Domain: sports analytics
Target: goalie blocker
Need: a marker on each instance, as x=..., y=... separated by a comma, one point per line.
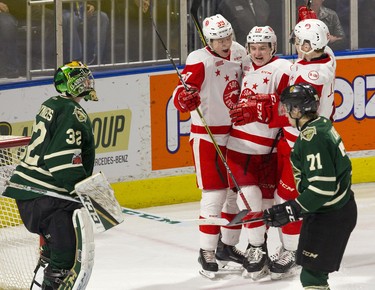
x=97, y=196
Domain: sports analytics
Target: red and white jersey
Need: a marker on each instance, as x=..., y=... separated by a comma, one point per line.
x=218, y=81
x=257, y=138
x=320, y=73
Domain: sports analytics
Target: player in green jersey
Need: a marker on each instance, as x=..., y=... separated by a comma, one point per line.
x=322, y=172
x=60, y=154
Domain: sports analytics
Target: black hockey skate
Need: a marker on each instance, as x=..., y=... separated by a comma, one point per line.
x=285, y=266
x=256, y=262
x=209, y=265
x=226, y=254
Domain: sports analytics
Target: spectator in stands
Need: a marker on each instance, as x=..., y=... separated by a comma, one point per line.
x=8, y=43
x=366, y=20
x=95, y=46
x=244, y=15
x=17, y=8
x=366, y=23
x=331, y=19
x=11, y=23
x=133, y=41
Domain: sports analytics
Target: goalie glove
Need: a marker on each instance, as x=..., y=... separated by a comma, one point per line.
x=282, y=214
x=306, y=13
x=188, y=100
x=257, y=108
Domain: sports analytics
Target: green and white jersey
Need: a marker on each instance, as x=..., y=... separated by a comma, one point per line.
x=322, y=169
x=61, y=151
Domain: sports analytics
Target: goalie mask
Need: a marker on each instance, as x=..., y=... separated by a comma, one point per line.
x=216, y=27
x=262, y=34
x=300, y=97
x=314, y=31
x=75, y=79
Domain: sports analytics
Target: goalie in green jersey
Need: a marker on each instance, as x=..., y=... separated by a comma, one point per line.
x=60, y=154
x=322, y=172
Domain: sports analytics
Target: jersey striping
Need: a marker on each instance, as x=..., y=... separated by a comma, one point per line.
x=320, y=154
x=258, y=138
x=61, y=151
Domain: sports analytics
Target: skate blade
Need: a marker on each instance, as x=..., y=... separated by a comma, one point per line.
x=228, y=269
x=222, y=272
x=256, y=276
x=229, y=266
x=207, y=274
x=292, y=272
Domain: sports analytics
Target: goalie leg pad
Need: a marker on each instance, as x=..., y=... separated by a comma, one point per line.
x=78, y=277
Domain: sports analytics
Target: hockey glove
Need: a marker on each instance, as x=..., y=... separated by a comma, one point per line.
x=282, y=214
x=189, y=100
x=257, y=108
x=305, y=13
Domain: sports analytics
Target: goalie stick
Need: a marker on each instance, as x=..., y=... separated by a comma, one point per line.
x=103, y=220
x=95, y=194
x=109, y=222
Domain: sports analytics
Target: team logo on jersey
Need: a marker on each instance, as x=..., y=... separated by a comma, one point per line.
x=313, y=75
x=246, y=93
x=80, y=114
x=308, y=133
x=77, y=159
x=231, y=93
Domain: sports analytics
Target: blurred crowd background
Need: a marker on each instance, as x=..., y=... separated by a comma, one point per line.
x=117, y=34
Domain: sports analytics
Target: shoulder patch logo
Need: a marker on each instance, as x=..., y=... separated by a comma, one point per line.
x=80, y=114
x=308, y=133
x=77, y=159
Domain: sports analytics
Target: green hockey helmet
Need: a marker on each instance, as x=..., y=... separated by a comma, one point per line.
x=302, y=97
x=75, y=79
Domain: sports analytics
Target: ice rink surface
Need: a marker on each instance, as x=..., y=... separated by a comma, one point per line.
x=143, y=254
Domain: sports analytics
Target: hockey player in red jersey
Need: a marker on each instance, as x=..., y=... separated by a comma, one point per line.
x=213, y=76
x=252, y=147
x=316, y=65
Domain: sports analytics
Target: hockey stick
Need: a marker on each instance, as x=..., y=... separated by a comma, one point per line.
x=162, y=219
x=110, y=222
x=308, y=4
x=244, y=217
x=292, y=36
x=102, y=208
x=194, y=14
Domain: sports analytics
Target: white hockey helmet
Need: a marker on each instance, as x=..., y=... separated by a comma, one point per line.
x=265, y=34
x=216, y=27
x=313, y=30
